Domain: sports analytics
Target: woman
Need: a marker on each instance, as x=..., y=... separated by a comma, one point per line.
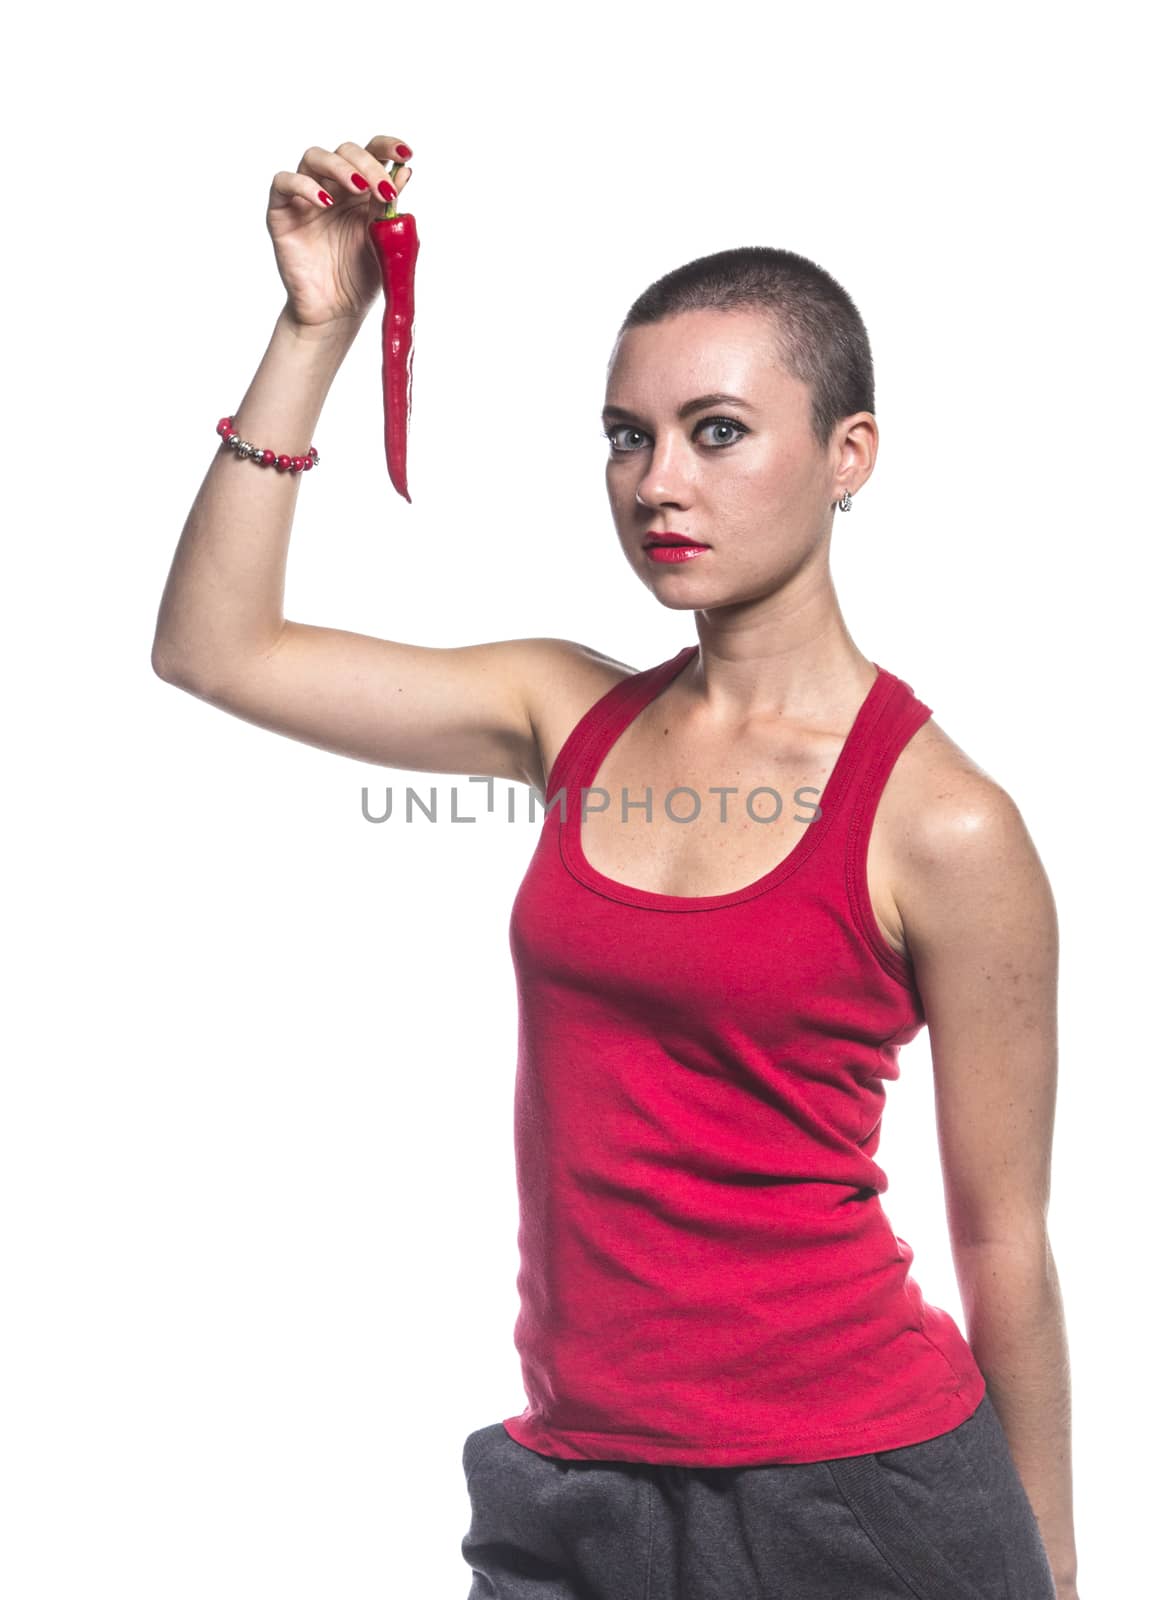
x=735, y=1387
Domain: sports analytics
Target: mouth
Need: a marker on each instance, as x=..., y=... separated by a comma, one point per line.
x=671, y=541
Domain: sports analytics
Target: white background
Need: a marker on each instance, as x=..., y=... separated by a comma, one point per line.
x=257, y=1184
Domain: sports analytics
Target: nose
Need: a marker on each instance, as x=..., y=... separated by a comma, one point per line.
x=665, y=480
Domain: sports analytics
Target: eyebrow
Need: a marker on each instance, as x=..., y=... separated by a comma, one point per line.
x=699, y=404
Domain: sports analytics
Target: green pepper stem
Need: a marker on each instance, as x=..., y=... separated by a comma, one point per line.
x=390, y=208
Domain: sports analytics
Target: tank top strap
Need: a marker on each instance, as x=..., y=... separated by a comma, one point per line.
x=899, y=715
x=605, y=719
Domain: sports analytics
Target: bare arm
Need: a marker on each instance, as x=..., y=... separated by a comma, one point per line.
x=221, y=633
x=420, y=707
x=222, y=603
x=981, y=926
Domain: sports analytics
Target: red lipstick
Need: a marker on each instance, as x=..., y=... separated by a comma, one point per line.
x=671, y=547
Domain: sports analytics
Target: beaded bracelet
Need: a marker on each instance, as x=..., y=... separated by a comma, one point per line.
x=267, y=458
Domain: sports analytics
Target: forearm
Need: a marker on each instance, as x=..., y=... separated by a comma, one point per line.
x=1016, y=1328
x=225, y=592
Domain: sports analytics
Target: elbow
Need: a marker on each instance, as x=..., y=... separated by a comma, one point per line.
x=172, y=670
x=162, y=665
x=159, y=664
x=1026, y=1260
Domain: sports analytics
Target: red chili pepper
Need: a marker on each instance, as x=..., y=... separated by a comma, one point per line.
x=396, y=245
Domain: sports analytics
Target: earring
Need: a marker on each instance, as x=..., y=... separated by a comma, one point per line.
x=845, y=502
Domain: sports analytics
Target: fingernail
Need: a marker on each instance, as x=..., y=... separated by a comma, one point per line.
x=403, y=151
x=360, y=183
x=325, y=198
x=386, y=189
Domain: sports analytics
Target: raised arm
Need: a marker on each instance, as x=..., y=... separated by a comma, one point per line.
x=222, y=633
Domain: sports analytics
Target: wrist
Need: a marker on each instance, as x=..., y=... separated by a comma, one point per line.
x=340, y=331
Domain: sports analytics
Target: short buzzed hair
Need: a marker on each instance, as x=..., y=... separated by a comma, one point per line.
x=822, y=338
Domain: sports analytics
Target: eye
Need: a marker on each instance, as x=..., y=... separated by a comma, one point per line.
x=734, y=430
x=621, y=428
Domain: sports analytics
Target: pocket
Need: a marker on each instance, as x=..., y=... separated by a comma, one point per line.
x=1003, y=1506
x=917, y=1505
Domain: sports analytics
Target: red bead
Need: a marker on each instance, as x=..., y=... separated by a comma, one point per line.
x=226, y=428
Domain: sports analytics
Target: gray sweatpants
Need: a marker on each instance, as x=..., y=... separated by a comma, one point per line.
x=946, y=1519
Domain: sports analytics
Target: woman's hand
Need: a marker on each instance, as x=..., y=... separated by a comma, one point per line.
x=324, y=254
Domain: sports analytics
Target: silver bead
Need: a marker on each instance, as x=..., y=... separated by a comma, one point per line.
x=231, y=440
x=243, y=448
x=256, y=451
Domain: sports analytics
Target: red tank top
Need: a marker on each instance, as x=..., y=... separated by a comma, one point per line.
x=707, y=1275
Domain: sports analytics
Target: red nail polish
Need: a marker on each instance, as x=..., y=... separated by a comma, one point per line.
x=385, y=189
x=325, y=198
x=360, y=183
x=403, y=151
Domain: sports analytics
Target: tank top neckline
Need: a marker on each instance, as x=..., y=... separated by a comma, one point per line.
x=644, y=688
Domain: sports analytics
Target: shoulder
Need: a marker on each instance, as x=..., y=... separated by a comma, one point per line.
x=554, y=671
x=559, y=680
x=956, y=843
x=572, y=661
x=940, y=803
